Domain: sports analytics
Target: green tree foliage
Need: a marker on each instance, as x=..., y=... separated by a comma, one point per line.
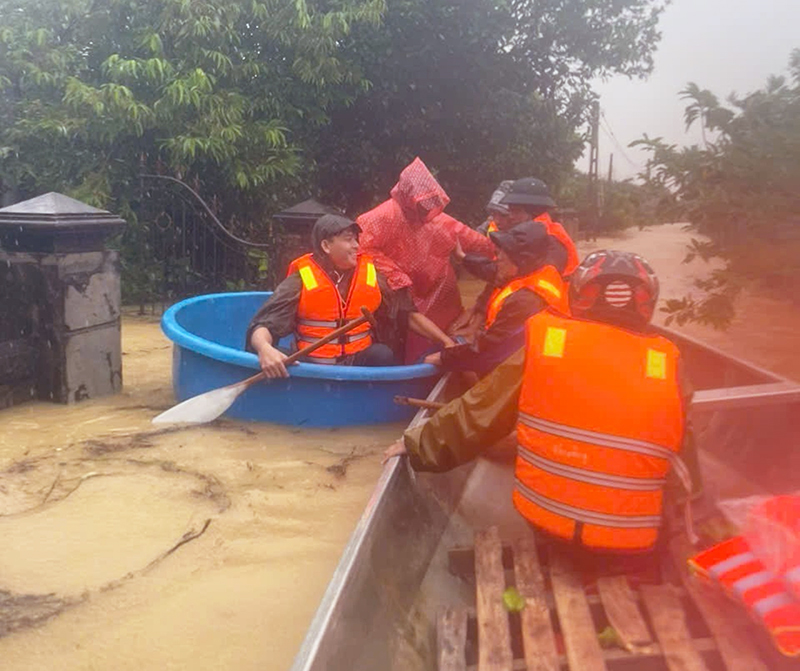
x=623, y=204
x=739, y=189
x=95, y=92
x=260, y=103
x=98, y=90
x=482, y=91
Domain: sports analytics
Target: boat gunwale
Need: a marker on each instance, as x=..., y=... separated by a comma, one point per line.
x=743, y=364
x=307, y=655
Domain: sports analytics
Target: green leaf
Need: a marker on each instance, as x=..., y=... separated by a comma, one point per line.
x=609, y=638
x=513, y=601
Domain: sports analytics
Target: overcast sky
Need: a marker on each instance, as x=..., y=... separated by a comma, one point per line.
x=722, y=45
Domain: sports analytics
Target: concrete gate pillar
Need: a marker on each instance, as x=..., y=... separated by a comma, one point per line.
x=59, y=301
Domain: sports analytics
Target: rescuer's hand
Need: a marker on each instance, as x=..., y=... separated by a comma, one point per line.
x=435, y=359
x=460, y=322
x=395, y=450
x=271, y=361
x=458, y=251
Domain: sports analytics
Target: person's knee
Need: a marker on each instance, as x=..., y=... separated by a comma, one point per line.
x=375, y=355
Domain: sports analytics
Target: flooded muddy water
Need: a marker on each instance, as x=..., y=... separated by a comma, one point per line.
x=126, y=547
x=764, y=331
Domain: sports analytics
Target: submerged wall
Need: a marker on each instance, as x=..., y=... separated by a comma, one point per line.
x=60, y=302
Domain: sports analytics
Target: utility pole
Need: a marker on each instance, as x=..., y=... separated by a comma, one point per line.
x=594, y=194
x=610, y=168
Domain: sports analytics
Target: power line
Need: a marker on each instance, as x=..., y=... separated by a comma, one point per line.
x=618, y=147
x=610, y=133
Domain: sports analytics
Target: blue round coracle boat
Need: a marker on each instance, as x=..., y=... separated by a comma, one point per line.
x=208, y=352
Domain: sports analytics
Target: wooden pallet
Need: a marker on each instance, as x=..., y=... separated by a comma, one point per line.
x=661, y=626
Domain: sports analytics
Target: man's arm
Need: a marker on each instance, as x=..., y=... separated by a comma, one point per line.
x=505, y=336
x=398, y=307
x=274, y=320
x=471, y=241
x=270, y=358
x=465, y=427
x=279, y=313
x=423, y=326
x=479, y=265
x=557, y=255
x=510, y=320
x=470, y=322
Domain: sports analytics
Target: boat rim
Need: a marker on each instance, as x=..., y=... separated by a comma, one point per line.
x=195, y=343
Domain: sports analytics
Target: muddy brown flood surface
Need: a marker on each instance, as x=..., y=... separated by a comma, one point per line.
x=127, y=547
x=765, y=331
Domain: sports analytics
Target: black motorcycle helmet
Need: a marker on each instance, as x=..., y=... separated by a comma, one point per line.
x=616, y=287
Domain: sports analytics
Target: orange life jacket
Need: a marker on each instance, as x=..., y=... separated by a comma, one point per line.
x=559, y=233
x=545, y=282
x=600, y=421
x=322, y=310
x=732, y=565
x=773, y=530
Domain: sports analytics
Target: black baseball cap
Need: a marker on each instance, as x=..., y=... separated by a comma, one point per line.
x=330, y=225
x=529, y=191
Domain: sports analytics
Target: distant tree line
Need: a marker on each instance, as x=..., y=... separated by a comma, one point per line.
x=260, y=103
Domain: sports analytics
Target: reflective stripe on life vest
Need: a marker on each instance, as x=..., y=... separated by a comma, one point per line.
x=792, y=579
x=317, y=322
x=595, y=437
x=773, y=531
x=582, y=475
x=732, y=565
x=588, y=516
x=346, y=338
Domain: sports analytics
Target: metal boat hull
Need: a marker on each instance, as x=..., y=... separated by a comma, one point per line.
x=379, y=609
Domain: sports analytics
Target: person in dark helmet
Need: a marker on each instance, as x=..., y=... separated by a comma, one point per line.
x=327, y=288
x=599, y=410
x=529, y=199
x=498, y=219
x=479, y=265
x=526, y=283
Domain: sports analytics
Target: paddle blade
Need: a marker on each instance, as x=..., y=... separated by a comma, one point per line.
x=203, y=408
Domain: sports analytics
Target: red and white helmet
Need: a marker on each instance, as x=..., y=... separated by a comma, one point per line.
x=613, y=286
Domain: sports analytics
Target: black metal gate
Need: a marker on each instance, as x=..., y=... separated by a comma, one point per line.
x=176, y=247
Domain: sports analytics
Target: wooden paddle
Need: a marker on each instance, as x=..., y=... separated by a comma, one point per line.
x=210, y=405
x=418, y=402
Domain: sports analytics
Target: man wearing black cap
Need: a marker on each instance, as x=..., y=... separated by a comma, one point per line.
x=324, y=290
x=529, y=199
x=526, y=283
